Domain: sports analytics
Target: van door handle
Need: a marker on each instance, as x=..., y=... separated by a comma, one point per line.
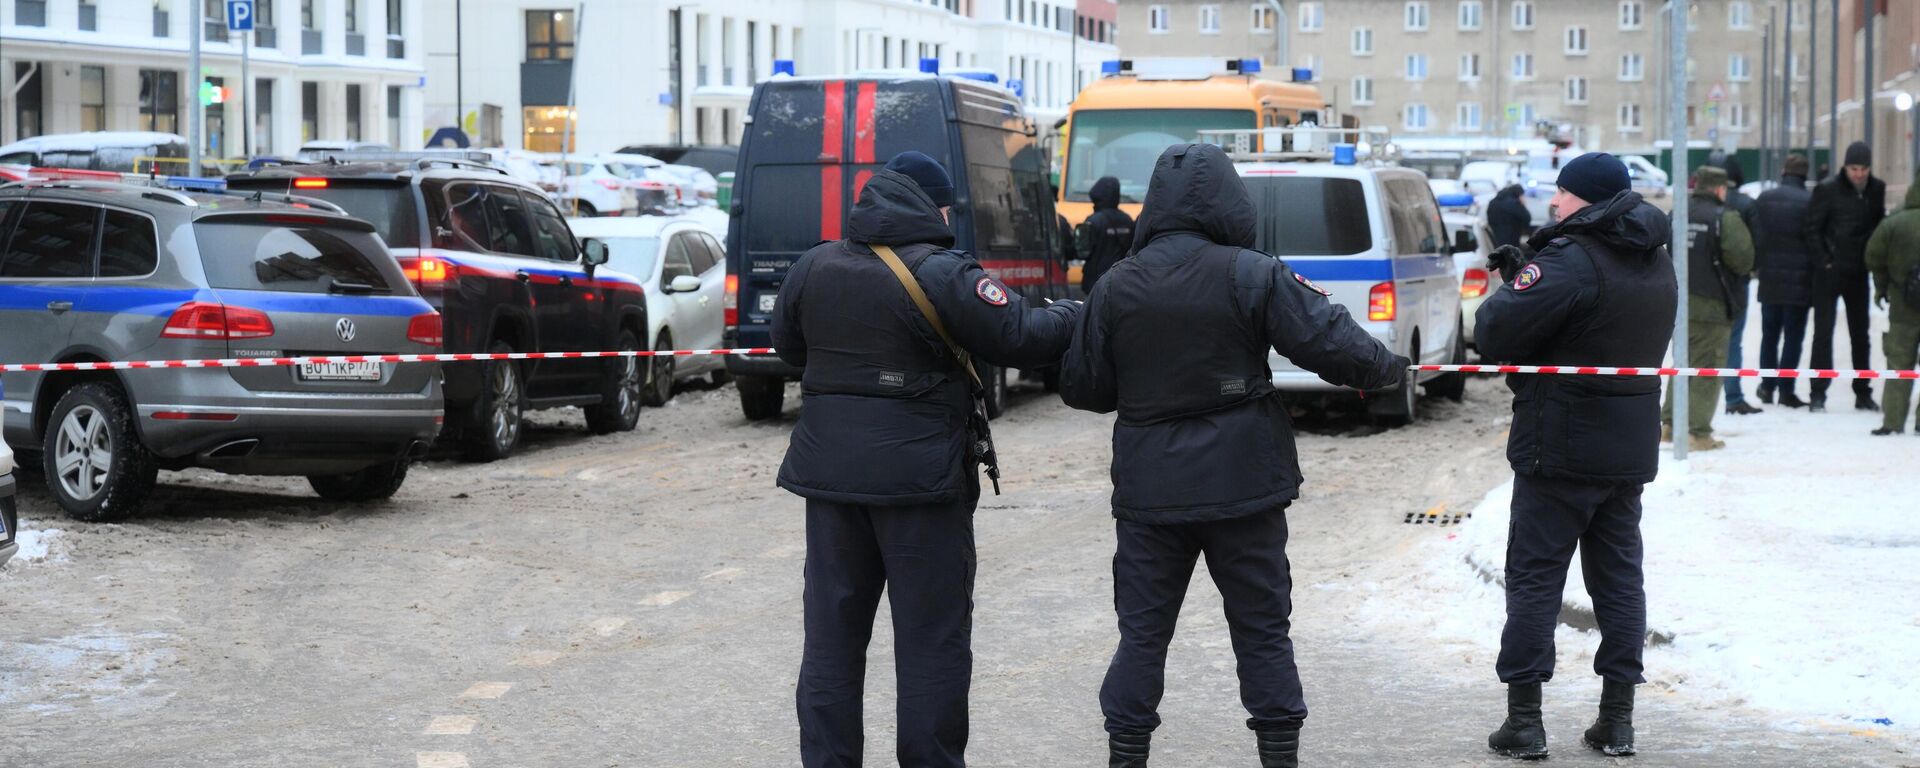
x=523, y=276
x=59, y=307
x=566, y=282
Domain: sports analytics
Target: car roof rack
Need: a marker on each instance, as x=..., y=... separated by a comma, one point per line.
x=1306, y=143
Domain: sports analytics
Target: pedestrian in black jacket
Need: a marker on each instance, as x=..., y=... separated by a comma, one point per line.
x=1175, y=338
x=1507, y=216
x=881, y=455
x=1601, y=292
x=1786, y=271
x=1842, y=216
x=1109, y=232
x=1742, y=285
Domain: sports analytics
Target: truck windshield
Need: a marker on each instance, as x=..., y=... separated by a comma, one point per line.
x=1124, y=143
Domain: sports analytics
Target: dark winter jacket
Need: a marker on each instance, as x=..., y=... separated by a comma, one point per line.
x=1175, y=339
x=1508, y=217
x=1893, y=255
x=1601, y=292
x=1780, y=243
x=1840, y=219
x=883, y=419
x=1108, y=232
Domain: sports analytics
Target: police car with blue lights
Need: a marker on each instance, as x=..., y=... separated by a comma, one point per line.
x=1369, y=234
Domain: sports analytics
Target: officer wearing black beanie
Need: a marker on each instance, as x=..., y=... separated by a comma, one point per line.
x=1845, y=210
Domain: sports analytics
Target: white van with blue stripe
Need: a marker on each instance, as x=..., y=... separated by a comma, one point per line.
x=1372, y=236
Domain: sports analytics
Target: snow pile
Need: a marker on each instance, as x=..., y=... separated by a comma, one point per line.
x=36, y=545
x=1785, y=568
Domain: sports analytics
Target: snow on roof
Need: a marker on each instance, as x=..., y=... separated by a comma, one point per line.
x=87, y=142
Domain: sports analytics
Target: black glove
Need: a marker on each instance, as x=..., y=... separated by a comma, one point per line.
x=1507, y=260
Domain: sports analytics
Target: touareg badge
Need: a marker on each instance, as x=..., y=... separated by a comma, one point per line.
x=1529, y=277
x=1310, y=285
x=990, y=292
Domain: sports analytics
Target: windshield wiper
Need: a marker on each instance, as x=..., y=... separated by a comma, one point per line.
x=340, y=286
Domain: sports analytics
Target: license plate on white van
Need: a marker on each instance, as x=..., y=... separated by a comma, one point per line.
x=341, y=371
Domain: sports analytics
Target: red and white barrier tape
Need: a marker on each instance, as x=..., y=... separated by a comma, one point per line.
x=274, y=362
x=1705, y=373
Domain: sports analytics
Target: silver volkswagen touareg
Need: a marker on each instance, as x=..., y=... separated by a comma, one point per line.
x=95, y=271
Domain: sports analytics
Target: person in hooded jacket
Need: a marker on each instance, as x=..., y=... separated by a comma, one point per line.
x=1842, y=216
x=1109, y=232
x=1507, y=216
x=1785, y=266
x=882, y=456
x=1893, y=257
x=1601, y=292
x=1175, y=338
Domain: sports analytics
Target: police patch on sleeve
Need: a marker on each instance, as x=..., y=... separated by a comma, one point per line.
x=990, y=292
x=1529, y=277
x=1302, y=279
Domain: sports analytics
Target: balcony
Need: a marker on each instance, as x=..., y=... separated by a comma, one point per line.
x=356, y=44
x=311, y=42
x=30, y=13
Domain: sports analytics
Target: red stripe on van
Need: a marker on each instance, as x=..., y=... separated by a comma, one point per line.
x=863, y=124
x=833, y=137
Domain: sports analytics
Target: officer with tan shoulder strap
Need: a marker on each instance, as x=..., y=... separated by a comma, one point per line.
x=887, y=452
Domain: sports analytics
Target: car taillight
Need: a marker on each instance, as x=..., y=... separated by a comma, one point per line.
x=425, y=271
x=309, y=183
x=1382, y=302
x=216, y=322
x=1473, y=284
x=730, y=304
x=608, y=183
x=425, y=329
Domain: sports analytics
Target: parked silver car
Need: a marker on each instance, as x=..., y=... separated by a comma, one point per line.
x=111, y=272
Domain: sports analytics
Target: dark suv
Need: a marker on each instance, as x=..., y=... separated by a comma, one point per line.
x=495, y=256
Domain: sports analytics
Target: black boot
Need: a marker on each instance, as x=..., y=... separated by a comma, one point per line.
x=1279, y=748
x=1864, y=402
x=1522, y=735
x=1127, y=750
x=1612, y=732
x=1884, y=431
x=1792, y=400
x=1819, y=404
x=1766, y=395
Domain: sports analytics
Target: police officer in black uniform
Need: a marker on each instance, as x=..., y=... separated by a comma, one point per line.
x=1600, y=293
x=1175, y=338
x=1108, y=233
x=883, y=457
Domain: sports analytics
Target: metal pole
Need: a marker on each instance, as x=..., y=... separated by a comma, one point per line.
x=197, y=115
x=246, y=100
x=1786, y=94
x=1677, y=127
x=1813, y=80
x=460, y=70
x=1833, y=93
x=1871, y=83
x=1766, y=102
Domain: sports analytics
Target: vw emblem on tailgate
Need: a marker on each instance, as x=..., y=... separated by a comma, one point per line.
x=344, y=327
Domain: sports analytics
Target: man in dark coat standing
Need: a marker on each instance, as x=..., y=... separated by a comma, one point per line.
x=1786, y=277
x=1602, y=292
x=1842, y=216
x=1109, y=232
x=882, y=456
x=1175, y=338
x=1508, y=218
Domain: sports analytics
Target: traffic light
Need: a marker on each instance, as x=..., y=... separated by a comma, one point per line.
x=211, y=94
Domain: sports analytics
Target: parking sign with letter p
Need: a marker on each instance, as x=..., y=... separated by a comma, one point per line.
x=240, y=15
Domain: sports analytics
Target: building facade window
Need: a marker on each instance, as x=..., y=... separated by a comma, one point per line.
x=549, y=35
x=1313, y=17
x=1469, y=67
x=89, y=16
x=160, y=100
x=162, y=18
x=29, y=102
x=394, y=97
x=1630, y=117
x=1632, y=13
x=263, y=116
x=1363, y=90
x=309, y=111
x=396, y=31
x=1363, y=41
x=1738, y=68
x=1576, y=90
x=1470, y=11
x=1737, y=118
x=1522, y=15
x=1209, y=19
x=1739, y=15
x=1633, y=68
x=1416, y=66
x=1522, y=66
x=213, y=19
x=1264, y=20
x=93, y=98
x=1414, y=117
x=1157, y=21
x=1576, y=41
x=1416, y=20
x=356, y=111
x=1467, y=116
x=264, y=34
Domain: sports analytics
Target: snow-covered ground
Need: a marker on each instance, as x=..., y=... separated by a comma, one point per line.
x=1785, y=568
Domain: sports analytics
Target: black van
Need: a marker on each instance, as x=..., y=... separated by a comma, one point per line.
x=810, y=146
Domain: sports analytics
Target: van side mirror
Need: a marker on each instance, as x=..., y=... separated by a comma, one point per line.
x=596, y=252
x=1465, y=242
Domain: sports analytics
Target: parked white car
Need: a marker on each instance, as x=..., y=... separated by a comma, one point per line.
x=683, y=267
x=530, y=167
x=1648, y=179
x=618, y=185
x=1470, y=264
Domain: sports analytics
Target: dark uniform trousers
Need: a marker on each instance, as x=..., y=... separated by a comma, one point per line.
x=1152, y=566
x=1830, y=289
x=923, y=557
x=1551, y=517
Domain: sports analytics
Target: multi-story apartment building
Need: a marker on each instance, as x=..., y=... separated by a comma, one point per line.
x=644, y=71
x=321, y=69
x=1595, y=69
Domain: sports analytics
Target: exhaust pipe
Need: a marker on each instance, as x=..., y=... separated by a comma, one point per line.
x=238, y=449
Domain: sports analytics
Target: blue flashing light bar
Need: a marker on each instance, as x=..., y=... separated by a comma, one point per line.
x=783, y=67
x=930, y=66
x=1344, y=154
x=192, y=184
x=1302, y=75
x=1113, y=67
x=1456, y=200
x=1249, y=66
